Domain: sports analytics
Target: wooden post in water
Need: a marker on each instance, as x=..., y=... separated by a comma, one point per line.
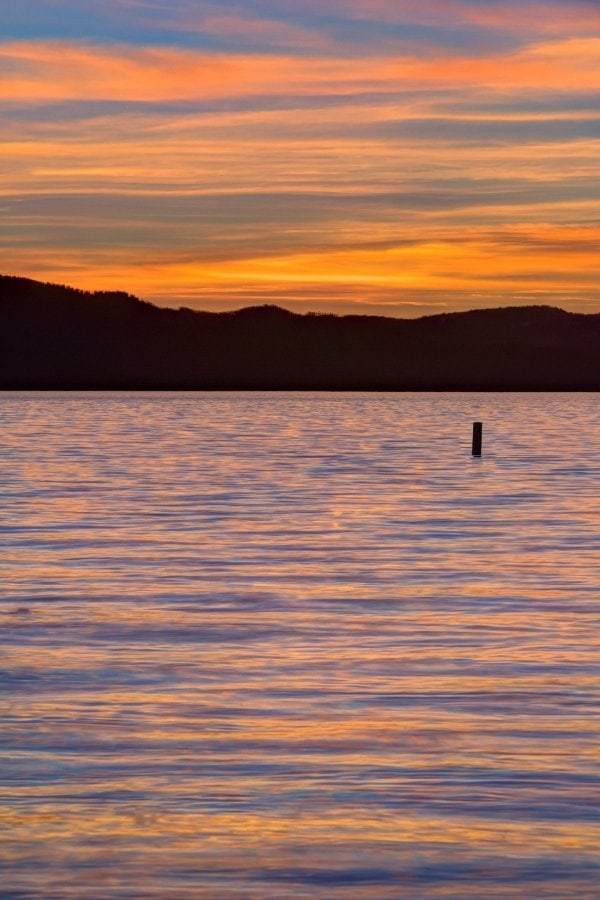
x=477, y=438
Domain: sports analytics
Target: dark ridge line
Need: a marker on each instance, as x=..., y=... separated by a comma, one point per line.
x=61, y=338
x=273, y=308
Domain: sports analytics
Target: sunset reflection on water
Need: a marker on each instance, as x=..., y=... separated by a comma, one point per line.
x=292, y=645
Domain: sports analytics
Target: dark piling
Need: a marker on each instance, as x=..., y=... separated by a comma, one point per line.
x=477, y=438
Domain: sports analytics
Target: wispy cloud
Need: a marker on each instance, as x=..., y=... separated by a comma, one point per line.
x=350, y=154
x=42, y=71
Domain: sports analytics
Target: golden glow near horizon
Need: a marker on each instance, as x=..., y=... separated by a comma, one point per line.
x=341, y=156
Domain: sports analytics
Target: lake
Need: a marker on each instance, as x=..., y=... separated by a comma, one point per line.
x=261, y=645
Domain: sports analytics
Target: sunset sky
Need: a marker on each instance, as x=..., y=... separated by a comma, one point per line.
x=387, y=156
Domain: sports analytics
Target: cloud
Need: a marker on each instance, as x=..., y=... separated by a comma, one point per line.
x=57, y=71
x=539, y=17
x=343, y=153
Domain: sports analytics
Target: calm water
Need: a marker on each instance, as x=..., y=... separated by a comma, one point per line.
x=299, y=645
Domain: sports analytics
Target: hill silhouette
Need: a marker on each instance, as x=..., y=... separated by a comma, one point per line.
x=58, y=337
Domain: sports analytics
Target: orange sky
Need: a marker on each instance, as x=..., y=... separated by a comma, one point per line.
x=345, y=156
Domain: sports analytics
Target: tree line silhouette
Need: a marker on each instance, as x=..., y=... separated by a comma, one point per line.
x=56, y=337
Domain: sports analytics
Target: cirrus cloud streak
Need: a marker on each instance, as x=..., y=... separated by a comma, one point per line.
x=289, y=151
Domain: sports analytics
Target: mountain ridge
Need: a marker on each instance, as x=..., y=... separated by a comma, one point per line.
x=53, y=336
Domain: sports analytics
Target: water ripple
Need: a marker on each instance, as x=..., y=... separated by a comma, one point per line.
x=297, y=645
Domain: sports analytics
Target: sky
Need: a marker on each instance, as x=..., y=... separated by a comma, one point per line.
x=397, y=157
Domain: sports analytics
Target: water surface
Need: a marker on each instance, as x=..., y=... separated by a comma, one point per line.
x=299, y=645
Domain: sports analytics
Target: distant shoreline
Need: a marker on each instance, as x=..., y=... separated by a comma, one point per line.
x=45, y=389
x=58, y=338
